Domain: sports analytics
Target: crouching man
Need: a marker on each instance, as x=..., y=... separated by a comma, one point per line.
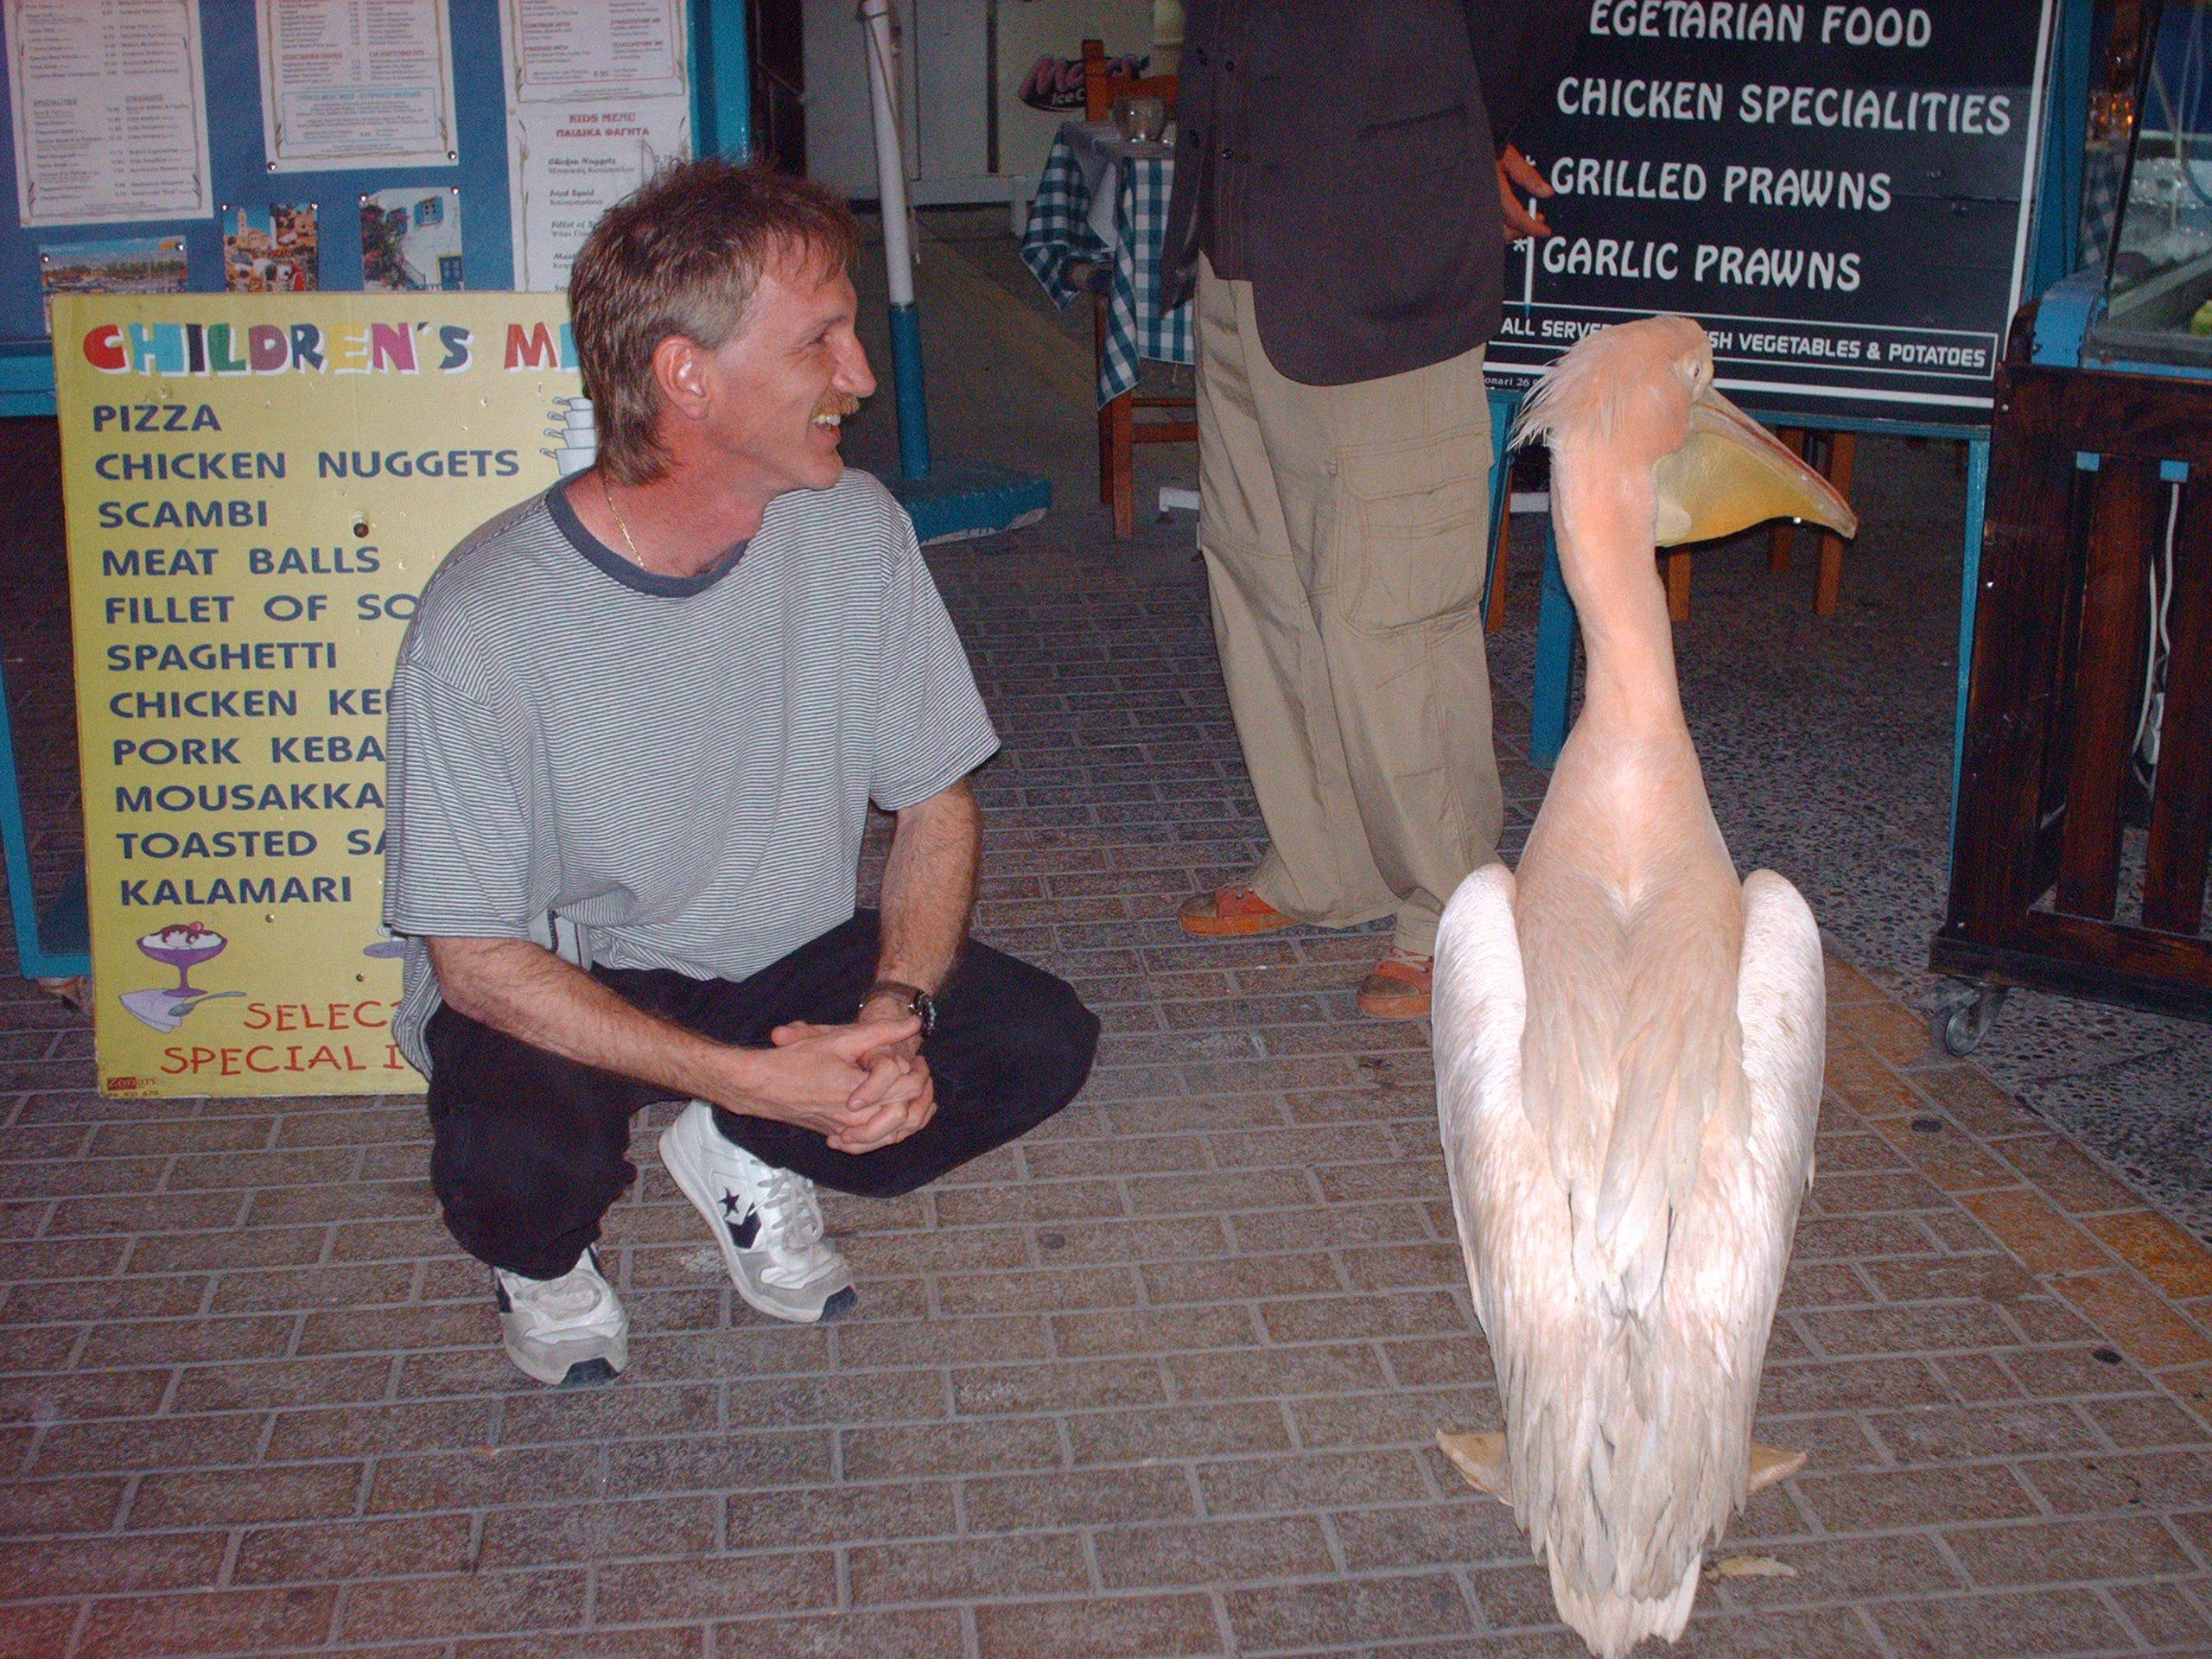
x=636, y=726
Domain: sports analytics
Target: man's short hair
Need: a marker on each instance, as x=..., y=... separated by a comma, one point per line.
x=683, y=255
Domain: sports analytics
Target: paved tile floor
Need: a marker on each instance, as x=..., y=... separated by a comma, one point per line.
x=1160, y=1380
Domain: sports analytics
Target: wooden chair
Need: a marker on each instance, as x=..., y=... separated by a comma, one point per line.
x=1119, y=429
x=1835, y=455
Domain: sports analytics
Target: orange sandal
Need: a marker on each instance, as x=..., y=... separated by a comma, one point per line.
x=1398, y=988
x=1235, y=910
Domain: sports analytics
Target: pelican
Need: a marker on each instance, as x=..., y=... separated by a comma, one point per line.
x=1629, y=1040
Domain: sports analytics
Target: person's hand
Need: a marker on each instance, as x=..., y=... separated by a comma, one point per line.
x=888, y=1008
x=1515, y=168
x=897, y=1075
x=892, y=1094
x=831, y=1079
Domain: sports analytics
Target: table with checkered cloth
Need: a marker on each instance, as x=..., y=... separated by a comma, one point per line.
x=1103, y=200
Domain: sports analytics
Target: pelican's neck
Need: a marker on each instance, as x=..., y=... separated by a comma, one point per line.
x=1603, y=513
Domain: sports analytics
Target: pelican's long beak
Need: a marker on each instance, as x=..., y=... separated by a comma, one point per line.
x=1732, y=473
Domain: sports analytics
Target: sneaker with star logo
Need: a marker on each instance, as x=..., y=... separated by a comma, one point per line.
x=766, y=1221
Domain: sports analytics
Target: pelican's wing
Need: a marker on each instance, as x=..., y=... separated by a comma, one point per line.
x=1512, y=1211
x=1479, y=1005
x=1733, y=1244
x=1782, y=1003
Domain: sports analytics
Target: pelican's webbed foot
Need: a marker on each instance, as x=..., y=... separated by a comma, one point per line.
x=1481, y=1458
x=1772, y=1463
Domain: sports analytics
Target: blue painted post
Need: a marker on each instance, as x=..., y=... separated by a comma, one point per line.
x=1969, y=597
x=1503, y=407
x=721, y=80
x=1554, y=661
x=898, y=250
x=913, y=405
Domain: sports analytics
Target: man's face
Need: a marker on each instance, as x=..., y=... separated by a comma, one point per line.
x=782, y=383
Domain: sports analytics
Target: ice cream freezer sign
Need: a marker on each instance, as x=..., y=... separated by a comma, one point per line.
x=258, y=487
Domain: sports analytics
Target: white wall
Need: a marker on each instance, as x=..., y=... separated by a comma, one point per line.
x=944, y=94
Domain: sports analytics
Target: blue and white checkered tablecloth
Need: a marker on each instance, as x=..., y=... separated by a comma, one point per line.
x=1093, y=172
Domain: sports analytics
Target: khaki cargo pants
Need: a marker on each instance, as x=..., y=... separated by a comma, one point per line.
x=1344, y=530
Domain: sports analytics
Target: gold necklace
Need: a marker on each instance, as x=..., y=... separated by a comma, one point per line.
x=629, y=541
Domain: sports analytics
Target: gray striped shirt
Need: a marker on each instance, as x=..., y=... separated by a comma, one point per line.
x=678, y=769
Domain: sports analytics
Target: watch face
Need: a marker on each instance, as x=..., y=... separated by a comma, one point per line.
x=925, y=1011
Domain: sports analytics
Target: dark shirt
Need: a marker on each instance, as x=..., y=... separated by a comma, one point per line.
x=1340, y=155
x=1223, y=198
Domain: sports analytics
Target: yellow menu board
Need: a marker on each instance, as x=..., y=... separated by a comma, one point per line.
x=258, y=487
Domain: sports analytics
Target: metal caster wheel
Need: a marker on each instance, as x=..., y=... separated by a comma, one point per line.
x=1961, y=1013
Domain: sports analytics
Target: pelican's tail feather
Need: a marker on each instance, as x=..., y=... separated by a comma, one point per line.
x=1611, y=1624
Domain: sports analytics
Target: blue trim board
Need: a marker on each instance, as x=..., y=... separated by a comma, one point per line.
x=1969, y=597
x=721, y=80
x=2060, y=172
x=2064, y=315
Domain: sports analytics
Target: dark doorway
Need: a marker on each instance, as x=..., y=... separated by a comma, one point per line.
x=775, y=36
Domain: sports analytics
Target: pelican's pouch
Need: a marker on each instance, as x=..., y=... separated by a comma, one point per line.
x=1413, y=524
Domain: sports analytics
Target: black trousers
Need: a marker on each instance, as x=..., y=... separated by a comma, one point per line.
x=529, y=1149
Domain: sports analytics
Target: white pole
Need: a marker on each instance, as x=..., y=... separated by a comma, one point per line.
x=890, y=161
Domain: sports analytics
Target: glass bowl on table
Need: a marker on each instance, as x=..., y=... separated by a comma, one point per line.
x=1141, y=120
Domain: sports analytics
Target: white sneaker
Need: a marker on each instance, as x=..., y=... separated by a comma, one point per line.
x=567, y=1331
x=765, y=1219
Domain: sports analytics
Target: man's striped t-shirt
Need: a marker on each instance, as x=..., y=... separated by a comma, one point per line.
x=678, y=769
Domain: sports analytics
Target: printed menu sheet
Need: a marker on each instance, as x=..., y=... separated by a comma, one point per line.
x=110, y=110
x=598, y=95
x=355, y=83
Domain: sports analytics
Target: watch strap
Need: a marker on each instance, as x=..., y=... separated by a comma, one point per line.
x=918, y=1001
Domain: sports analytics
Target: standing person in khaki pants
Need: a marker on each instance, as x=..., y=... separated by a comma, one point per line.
x=1342, y=202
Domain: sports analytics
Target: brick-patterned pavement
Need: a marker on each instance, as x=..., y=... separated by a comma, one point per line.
x=1160, y=1380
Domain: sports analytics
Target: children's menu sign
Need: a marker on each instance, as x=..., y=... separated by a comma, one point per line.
x=256, y=489
x=1838, y=193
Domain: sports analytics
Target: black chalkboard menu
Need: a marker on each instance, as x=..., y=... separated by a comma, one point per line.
x=1838, y=193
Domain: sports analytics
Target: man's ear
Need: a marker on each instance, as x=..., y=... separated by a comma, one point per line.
x=680, y=373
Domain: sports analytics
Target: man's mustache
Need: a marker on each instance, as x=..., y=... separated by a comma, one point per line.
x=840, y=404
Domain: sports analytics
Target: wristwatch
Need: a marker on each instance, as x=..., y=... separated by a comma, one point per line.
x=918, y=1001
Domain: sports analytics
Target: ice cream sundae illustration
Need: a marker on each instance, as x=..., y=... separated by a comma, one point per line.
x=183, y=946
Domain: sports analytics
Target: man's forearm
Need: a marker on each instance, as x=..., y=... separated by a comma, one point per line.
x=528, y=993
x=823, y=1078
x=929, y=888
